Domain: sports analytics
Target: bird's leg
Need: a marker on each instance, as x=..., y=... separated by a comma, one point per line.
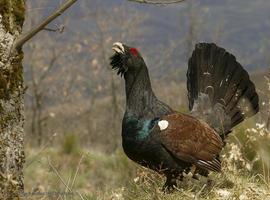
x=170, y=184
x=181, y=177
x=194, y=171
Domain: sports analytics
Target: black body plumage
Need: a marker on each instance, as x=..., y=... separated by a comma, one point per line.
x=156, y=136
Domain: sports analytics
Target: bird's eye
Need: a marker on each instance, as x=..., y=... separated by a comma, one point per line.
x=134, y=51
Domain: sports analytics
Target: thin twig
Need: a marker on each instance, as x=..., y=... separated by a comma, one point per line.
x=76, y=173
x=59, y=29
x=67, y=185
x=62, y=180
x=199, y=193
x=27, y=36
x=162, y=2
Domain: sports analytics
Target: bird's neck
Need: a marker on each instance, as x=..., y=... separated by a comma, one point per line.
x=139, y=93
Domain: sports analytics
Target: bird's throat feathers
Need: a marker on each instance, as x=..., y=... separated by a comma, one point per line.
x=139, y=93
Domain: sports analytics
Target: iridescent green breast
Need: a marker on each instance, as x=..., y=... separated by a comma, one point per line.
x=137, y=128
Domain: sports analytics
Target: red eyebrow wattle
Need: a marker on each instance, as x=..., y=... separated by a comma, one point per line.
x=134, y=51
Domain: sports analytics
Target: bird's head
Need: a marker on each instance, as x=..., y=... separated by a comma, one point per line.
x=126, y=59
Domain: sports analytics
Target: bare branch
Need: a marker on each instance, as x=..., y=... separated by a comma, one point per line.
x=162, y=2
x=27, y=36
x=59, y=29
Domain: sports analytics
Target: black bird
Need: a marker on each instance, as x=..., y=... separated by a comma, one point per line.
x=154, y=135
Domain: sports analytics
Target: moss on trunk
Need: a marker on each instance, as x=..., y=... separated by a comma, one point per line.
x=13, y=14
x=11, y=100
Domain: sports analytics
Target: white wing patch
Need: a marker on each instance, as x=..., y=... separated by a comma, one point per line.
x=163, y=124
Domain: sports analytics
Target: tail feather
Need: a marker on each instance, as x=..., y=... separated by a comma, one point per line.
x=215, y=76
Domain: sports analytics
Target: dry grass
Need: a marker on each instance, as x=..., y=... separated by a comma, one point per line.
x=88, y=174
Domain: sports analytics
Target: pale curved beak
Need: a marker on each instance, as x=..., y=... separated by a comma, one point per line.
x=118, y=47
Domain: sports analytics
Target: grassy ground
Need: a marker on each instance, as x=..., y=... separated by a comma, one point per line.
x=54, y=173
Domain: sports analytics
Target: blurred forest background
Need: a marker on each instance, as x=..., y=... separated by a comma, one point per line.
x=74, y=102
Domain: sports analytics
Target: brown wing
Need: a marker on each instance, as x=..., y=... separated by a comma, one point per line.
x=192, y=141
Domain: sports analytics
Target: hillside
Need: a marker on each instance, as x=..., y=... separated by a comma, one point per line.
x=242, y=27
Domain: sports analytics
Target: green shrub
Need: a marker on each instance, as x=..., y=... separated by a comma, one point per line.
x=70, y=144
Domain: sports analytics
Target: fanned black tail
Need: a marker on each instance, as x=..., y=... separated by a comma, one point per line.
x=219, y=89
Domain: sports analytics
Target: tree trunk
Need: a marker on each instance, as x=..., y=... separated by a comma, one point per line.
x=11, y=100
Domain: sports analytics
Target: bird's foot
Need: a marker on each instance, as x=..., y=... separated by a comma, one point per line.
x=169, y=185
x=169, y=188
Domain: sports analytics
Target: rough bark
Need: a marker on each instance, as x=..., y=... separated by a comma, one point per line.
x=11, y=100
